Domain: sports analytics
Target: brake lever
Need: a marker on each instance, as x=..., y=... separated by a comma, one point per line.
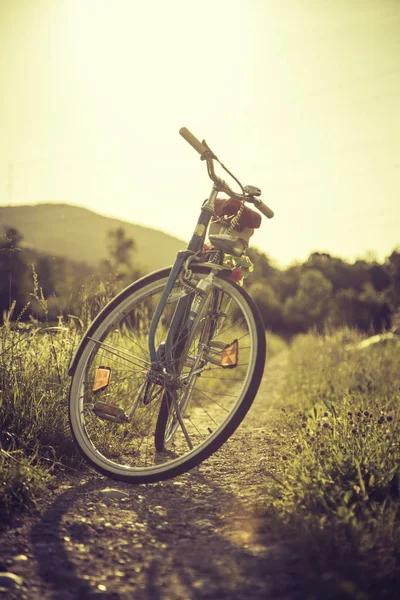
x=252, y=190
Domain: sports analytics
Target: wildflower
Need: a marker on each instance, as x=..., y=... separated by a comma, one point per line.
x=358, y=414
x=354, y=431
x=236, y=275
x=326, y=426
x=304, y=425
x=366, y=413
x=389, y=418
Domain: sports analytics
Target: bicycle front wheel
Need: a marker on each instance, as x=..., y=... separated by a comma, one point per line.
x=140, y=429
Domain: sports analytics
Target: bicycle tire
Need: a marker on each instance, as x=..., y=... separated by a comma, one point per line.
x=125, y=451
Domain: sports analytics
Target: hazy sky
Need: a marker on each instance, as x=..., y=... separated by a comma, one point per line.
x=298, y=97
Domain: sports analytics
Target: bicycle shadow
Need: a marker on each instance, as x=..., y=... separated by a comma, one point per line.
x=172, y=543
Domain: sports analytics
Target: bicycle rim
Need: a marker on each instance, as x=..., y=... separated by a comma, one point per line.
x=209, y=399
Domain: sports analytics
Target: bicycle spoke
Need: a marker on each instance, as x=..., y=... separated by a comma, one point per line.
x=120, y=354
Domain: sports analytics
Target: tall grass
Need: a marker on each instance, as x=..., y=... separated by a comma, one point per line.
x=275, y=344
x=34, y=433
x=336, y=492
x=35, y=439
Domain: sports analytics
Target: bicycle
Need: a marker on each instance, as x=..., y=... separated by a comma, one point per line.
x=168, y=369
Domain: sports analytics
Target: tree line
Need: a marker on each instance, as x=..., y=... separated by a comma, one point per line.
x=324, y=291
x=37, y=284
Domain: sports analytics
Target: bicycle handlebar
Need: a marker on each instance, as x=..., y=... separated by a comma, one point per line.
x=192, y=140
x=263, y=208
x=208, y=155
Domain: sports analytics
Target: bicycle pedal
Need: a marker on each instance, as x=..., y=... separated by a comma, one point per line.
x=230, y=355
x=215, y=345
x=214, y=359
x=108, y=412
x=224, y=355
x=214, y=352
x=189, y=362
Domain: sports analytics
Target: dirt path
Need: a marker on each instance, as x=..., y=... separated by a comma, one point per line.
x=192, y=537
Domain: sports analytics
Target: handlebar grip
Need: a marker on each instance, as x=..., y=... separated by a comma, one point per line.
x=264, y=209
x=192, y=140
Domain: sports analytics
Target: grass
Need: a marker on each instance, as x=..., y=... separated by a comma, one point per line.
x=34, y=432
x=335, y=493
x=35, y=438
x=275, y=344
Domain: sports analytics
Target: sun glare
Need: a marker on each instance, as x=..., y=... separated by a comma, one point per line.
x=300, y=99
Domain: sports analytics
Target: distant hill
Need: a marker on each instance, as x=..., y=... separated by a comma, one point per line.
x=81, y=234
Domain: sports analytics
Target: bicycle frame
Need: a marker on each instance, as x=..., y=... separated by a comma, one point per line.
x=195, y=246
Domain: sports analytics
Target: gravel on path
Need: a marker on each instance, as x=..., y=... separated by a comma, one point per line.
x=192, y=537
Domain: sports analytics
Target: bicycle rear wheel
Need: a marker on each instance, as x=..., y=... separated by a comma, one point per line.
x=138, y=429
